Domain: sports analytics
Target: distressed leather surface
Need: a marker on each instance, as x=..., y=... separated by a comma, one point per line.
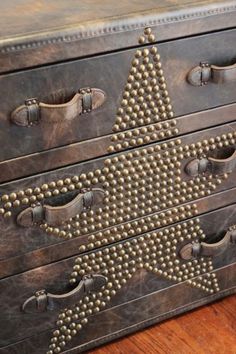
x=41, y=34
x=40, y=28
x=45, y=15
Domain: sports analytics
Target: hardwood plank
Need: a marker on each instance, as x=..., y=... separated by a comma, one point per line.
x=210, y=329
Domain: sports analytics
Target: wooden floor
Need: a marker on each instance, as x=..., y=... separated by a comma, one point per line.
x=207, y=330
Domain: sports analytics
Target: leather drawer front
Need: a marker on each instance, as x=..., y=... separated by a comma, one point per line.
x=116, y=322
x=136, y=183
x=119, y=79
x=143, y=265
x=90, y=149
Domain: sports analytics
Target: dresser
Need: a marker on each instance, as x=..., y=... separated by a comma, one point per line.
x=117, y=167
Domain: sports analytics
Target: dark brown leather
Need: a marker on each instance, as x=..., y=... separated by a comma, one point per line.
x=150, y=210
x=43, y=301
x=56, y=215
x=211, y=165
x=33, y=112
x=87, y=28
x=77, y=152
x=114, y=68
x=203, y=249
x=54, y=278
x=204, y=73
x=223, y=74
x=221, y=166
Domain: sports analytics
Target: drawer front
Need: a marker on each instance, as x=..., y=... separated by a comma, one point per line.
x=90, y=149
x=135, y=90
x=133, y=269
x=124, y=319
x=134, y=184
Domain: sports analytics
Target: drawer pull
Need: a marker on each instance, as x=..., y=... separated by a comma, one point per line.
x=43, y=301
x=56, y=215
x=33, y=111
x=204, y=73
x=203, y=249
x=211, y=165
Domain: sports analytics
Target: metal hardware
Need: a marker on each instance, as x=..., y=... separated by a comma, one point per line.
x=212, y=165
x=43, y=301
x=86, y=100
x=204, y=73
x=203, y=249
x=152, y=251
x=33, y=111
x=56, y=215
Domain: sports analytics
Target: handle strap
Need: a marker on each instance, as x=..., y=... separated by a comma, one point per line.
x=211, y=165
x=34, y=112
x=43, y=301
x=56, y=215
x=203, y=249
x=204, y=73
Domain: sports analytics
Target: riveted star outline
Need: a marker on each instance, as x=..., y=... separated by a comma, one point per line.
x=154, y=251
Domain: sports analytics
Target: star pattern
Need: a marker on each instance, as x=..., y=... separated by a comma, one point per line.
x=140, y=186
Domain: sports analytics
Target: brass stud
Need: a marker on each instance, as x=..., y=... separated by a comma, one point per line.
x=7, y=215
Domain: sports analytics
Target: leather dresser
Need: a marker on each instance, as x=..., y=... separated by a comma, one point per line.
x=117, y=167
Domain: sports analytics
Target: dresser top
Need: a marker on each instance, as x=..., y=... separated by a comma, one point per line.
x=34, y=24
x=25, y=17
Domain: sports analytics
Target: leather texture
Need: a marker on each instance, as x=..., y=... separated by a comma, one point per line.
x=57, y=83
x=43, y=301
x=57, y=215
x=58, y=113
x=206, y=73
x=54, y=278
x=123, y=212
x=214, y=165
x=41, y=30
x=203, y=249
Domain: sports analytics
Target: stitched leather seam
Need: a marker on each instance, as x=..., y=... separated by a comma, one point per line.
x=115, y=29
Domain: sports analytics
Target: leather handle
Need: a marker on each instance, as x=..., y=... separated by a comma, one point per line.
x=203, y=249
x=43, y=301
x=33, y=111
x=56, y=215
x=204, y=73
x=212, y=165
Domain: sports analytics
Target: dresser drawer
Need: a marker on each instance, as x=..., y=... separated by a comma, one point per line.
x=133, y=269
x=117, y=168
x=90, y=149
x=124, y=319
x=131, y=90
x=49, y=209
